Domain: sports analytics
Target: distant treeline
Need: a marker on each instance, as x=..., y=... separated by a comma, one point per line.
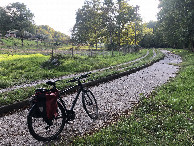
x=17, y=21
x=117, y=24
x=112, y=23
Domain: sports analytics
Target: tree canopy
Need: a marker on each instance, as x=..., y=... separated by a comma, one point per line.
x=104, y=22
x=176, y=19
x=16, y=17
x=45, y=32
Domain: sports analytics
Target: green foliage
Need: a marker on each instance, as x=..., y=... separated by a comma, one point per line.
x=4, y=21
x=44, y=32
x=87, y=27
x=126, y=14
x=103, y=22
x=176, y=22
x=15, y=42
x=19, y=18
x=16, y=95
x=164, y=118
x=148, y=35
x=17, y=69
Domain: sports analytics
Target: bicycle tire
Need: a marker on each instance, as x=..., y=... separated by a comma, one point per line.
x=39, y=131
x=90, y=104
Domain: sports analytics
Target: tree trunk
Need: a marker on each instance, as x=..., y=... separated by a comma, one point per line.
x=37, y=43
x=191, y=45
x=52, y=53
x=96, y=44
x=22, y=39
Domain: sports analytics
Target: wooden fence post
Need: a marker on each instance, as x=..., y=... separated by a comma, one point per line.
x=72, y=51
x=91, y=52
x=52, y=53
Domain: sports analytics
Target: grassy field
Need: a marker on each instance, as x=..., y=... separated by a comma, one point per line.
x=13, y=42
x=18, y=69
x=165, y=118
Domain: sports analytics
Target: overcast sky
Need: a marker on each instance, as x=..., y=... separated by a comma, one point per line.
x=60, y=14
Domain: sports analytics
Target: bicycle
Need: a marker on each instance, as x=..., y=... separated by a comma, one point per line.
x=44, y=129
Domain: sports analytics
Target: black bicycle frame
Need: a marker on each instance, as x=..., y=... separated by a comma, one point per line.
x=76, y=98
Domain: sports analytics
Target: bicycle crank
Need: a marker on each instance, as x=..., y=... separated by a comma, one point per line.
x=70, y=115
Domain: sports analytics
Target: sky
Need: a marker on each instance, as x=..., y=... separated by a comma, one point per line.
x=60, y=14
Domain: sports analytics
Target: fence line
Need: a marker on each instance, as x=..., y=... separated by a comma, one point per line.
x=72, y=52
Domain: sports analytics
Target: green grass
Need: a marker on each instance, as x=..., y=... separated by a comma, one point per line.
x=32, y=44
x=164, y=118
x=126, y=67
x=18, y=69
x=66, y=47
x=13, y=42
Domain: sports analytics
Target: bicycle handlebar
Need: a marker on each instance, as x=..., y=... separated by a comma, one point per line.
x=80, y=77
x=72, y=80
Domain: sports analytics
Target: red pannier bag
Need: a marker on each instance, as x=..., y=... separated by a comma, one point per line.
x=51, y=104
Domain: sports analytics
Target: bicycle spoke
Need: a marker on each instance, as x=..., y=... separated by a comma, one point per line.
x=90, y=104
x=42, y=130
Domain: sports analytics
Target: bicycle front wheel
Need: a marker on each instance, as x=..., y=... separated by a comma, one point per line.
x=40, y=129
x=90, y=104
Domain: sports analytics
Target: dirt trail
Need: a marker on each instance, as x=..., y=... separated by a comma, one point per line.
x=113, y=97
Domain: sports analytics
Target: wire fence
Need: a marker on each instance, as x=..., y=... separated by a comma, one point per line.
x=72, y=52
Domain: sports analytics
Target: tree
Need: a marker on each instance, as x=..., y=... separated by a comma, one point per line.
x=88, y=24
x=46, y=33
x=108, y=23
x=4, y=21
x=79, y=33
x=152, y=25
x=20, y=18
x=125, y=14
x=148, y=36
x=94, y=22
x=176, y=22
x=133, y=33
x=105, y=22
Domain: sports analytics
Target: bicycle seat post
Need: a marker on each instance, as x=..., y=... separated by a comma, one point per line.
x=80, y=84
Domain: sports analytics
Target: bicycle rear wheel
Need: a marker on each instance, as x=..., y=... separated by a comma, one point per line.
x=90, y=104
x=40, y=129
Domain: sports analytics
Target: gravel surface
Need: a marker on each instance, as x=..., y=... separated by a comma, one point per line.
x=113, y=97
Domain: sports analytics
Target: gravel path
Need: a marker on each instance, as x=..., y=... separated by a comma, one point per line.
x=113, y=97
